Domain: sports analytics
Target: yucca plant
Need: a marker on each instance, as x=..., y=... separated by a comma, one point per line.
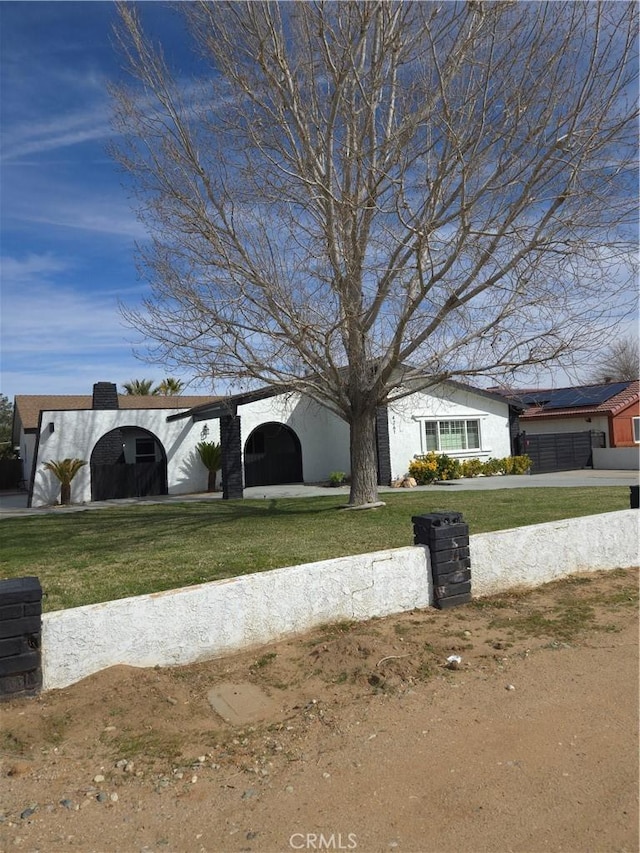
x=211, y=455
x=65, y=470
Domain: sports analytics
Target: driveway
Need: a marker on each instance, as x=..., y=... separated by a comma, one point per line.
x=14, y=504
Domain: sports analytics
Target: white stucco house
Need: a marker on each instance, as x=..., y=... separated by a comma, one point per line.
x=137, y=446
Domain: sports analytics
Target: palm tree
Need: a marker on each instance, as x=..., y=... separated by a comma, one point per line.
x=169, y=387
x=139, y=387
x=211, y=456
x=65, y=470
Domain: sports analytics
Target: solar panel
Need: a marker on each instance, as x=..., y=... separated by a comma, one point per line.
x=590, y=395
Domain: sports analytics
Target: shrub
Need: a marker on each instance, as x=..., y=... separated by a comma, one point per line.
x=432, y=466
x=337, y=478
x=494, y=466
x=424, y=469
x=471, y=467
x=518, y=464
x=448, y=468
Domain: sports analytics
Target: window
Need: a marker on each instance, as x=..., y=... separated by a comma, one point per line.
x=445, y=436
x=636, y=430
x=145, y=450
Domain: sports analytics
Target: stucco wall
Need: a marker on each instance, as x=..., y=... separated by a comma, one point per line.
x=323, y=436
x=408, y=415
x=546, y=426
x=199, y=622
x=617, y=458
x=75, y=434
x=539, y=553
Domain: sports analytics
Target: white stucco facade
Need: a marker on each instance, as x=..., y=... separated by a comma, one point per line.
x=323, y=437
x=545, y=426
x=76, y=433
x=408, y=416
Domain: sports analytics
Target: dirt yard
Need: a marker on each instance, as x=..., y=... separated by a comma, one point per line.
x=372, y=744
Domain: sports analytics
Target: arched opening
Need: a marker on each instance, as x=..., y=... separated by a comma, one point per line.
x=272, y=455
x=129, y=462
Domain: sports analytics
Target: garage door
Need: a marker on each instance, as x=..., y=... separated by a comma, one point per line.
x=560, y=451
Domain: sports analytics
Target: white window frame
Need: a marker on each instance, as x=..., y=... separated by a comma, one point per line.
x=457, y=420
x=635, y=426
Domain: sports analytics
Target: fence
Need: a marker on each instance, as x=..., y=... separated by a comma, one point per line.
x=195, y=623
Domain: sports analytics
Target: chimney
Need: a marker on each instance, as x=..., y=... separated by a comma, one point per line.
x=105, y=396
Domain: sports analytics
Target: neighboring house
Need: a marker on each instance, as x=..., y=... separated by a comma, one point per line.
x=138, y=446
x=560, y=427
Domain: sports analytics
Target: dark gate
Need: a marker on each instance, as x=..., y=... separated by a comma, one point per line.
x=560, y=451
x=133, y=480
x=114, y=476
x=272, y=455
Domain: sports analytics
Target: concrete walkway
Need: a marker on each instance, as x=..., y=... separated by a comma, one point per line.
x=14, y=504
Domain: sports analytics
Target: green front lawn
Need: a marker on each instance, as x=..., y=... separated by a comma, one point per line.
x=100, y=555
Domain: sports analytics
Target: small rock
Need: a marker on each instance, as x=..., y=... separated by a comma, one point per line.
x=67, y=804
x=202, y=759
x=466, y=634
x=98, y=778
x=109, y=729
x=28, y=812
x=250, y=792
x=326, y=775
x=120, y=765
x=179, y=774
x=510, y=687
x=19, y=768
x=102, y=797
x=194, y=779
x=251, y=835
x=171, y=700
x=289, y=789
x=113, y=797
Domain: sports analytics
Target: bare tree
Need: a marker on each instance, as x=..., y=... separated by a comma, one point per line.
x=619, y=362
x=363, y=198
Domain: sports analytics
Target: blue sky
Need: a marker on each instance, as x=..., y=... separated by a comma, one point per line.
x=67, y=231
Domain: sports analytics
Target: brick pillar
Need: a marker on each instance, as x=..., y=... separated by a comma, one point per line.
x=447, y=537
x=232, y=482
x=20, y=637
x=382, y=446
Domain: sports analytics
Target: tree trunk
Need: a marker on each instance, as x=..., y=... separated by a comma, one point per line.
x=65, y=494
x=211, y=484
x=364, y=462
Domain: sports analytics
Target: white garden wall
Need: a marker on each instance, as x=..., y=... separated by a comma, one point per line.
x=200, y=622
x=616, y=458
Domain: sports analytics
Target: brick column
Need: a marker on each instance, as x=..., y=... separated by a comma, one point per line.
x=382, y=446
x=20, y=637
x=447, y=537
x=231, y=444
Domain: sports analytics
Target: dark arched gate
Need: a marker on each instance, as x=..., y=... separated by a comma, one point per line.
x=128, y=462
x=272, y=455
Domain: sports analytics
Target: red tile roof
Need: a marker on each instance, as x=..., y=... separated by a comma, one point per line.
x=612, y=406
